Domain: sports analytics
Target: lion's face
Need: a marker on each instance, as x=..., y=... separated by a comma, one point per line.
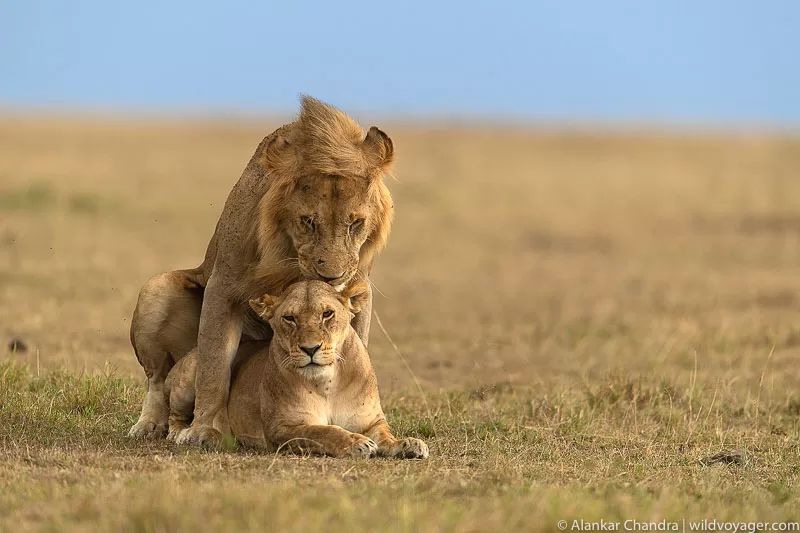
x=327, y=206
x=311, y=320
x=328, y=219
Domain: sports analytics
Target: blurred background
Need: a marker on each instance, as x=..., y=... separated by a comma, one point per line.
x=710, y=62
x=581, y=186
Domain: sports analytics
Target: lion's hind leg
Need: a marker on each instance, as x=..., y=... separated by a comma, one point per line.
x=163, y=329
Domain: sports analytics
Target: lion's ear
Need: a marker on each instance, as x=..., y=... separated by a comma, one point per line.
x=356, y=295
x=379, y=149
x=264, y=306
x=280, y=156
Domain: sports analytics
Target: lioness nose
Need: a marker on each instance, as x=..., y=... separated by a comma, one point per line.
x=310, y=350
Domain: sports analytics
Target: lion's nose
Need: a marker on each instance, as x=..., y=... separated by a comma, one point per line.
x=310, y=350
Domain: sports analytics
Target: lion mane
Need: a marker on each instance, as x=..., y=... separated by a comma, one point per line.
x=323, y=140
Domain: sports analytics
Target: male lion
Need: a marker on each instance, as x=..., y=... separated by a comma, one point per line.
x=311, y=204
x=316, y=384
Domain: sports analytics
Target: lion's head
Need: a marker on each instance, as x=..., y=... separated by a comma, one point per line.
x=327, y=204
x=310, y=321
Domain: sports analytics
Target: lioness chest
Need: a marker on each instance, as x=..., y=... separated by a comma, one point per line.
x=340, y=408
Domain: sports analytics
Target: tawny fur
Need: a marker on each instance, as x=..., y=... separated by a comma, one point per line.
x=311, y=204
x=323, y=141
x=279, y=398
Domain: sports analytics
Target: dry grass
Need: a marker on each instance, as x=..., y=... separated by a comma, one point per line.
x=592, y=318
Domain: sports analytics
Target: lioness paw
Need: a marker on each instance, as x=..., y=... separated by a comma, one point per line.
x=175, y=429
x=409, y=448
x=362, y=447
x=200, y=436
x=145, y=429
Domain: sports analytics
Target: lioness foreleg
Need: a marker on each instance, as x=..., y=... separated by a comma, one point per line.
x=390, y=446
x=327, y=440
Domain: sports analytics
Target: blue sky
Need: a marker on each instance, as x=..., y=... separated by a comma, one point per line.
x=702, y=61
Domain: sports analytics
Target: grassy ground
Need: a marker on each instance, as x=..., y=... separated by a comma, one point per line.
x=604, y=326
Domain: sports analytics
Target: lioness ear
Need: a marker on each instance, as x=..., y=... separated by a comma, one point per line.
x=263, y=306
x=355, y=295
x=379, y=148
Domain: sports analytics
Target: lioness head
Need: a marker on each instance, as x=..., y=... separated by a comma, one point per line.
x=311, y=320
x=327, y=205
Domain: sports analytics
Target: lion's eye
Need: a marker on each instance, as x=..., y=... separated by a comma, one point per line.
x=309, y=223
x=289, y=319
x=327, y=314
x=356, y=225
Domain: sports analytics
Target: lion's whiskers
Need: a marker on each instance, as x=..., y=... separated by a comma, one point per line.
x=364, y=277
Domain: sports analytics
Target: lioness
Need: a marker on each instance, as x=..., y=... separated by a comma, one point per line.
x=311, y=204
x=318, y=390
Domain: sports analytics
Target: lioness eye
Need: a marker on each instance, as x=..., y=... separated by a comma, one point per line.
x=289, y=319
x=327, y=314
x=356, y=225
x=309, y=223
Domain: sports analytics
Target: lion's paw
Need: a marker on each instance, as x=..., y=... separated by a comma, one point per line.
x=205, y=436
x=409, y=448
x=362, y=447
x=146, y=429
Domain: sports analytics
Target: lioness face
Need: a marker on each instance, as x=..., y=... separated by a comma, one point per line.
x=328, y=221
x=310, y=320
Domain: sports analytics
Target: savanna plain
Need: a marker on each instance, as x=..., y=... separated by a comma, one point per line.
x=582, y=324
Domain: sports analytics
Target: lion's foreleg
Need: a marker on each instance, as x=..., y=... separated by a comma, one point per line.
x=362, y=319
x=218, y=339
